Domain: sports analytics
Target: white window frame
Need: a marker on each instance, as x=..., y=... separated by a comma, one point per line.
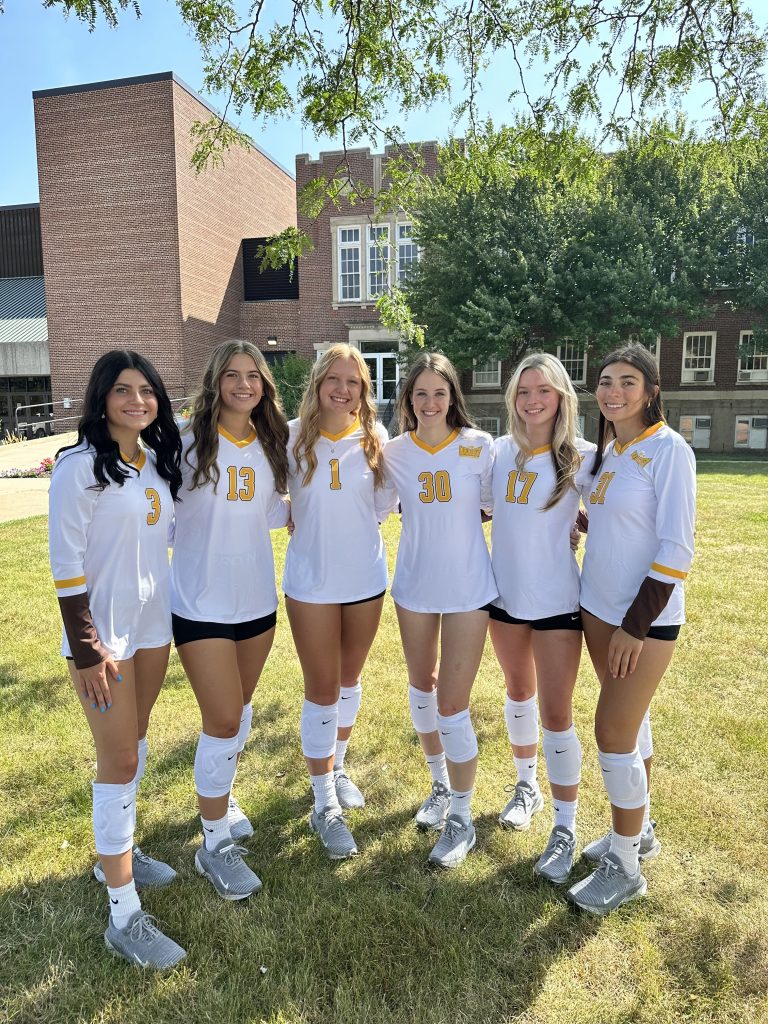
x=490, y=424
x=634, y=339
x=487, y=374
x=566, y=357
x=698, y=433
x=402, y=243
x=380, y=354
x=379, y=260
x=749, y=422
x=349, y=246
x=752, y=373
x=698, y=374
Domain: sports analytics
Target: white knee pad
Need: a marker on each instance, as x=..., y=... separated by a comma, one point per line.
x=457, y=736
x=114, y=817
x=624, y=778
x=645, y=737
x=423, y=705
x=319, y=723
x=349, y=704
x=522, y=718
x=215, y=765
x=142, y=762
x=562, y=751
x=245, y=727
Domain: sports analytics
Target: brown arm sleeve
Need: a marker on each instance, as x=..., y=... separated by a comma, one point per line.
x=81, y=632
x=650, y=601
x=582, y=521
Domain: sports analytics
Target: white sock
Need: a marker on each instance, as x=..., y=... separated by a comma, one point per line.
x=627, y=849
x=565, y=813
x=438, y=769
x=341, y=753
x=324, y=791
x=123, y=903
x=647, y=814
x=526, y=769
x=216, y=831
x=460, y=805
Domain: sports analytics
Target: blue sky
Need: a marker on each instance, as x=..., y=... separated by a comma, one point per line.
x=40, y=49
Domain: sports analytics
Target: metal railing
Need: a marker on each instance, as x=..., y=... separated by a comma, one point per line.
x=44, y=424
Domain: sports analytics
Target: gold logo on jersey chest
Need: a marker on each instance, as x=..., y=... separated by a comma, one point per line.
x=641, y=460
x=469, y=453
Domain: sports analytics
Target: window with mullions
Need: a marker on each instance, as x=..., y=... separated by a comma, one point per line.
x=753, y=358
x=751, y=432
x=407, y=252
x=696, y=430
x=490, y=424
x=573, y=356
x=487, y=374
x=349, y=264
x=698, y=358
x=378, y=260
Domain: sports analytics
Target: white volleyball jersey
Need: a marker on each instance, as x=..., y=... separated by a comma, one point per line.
x=642, y=510
x=443, y=564
x=113, y=545
x=223, y=569
x=536, y=572
x=336, y=554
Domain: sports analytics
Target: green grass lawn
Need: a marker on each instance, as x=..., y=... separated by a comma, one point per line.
x=382, y=938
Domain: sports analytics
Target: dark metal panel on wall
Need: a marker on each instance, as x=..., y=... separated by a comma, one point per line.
x=21, y=249
x=261, y=285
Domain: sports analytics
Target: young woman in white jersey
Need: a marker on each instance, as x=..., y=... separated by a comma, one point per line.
x=335, y=572
x=223, y=596
x=639, y=550
x=442, y=468
x=111, y=508
x=539, y=471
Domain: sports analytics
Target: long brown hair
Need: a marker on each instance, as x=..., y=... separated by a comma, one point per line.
x=458, y=413
x=267, y=418
x=642, y=360
x=309, y=414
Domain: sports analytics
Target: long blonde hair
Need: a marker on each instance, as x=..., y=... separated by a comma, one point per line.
x=435, y=362
x=267, y=418
x=309, y=414
x=565, y=455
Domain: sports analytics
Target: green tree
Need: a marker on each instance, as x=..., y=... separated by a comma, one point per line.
x=291, y=374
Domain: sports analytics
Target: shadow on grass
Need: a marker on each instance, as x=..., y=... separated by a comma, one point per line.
x=17, y=695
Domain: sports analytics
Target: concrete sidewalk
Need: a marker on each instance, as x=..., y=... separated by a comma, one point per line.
x=27, y=496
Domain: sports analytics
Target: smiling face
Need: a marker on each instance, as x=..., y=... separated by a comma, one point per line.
x=623, y=398
x=341, y=388
x=240, y=386
x=431, y=400
x=130, y=406
x=536, y=402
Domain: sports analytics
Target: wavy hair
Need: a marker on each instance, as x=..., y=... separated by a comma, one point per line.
x=565, y=455
x=435, y=362
x=309, y=414
x=642, y=360
x=162, y=435
x=267, y=418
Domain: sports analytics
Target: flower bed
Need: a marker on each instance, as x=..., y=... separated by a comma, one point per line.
x=42, y=471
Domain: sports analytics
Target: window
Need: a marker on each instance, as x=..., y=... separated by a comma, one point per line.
x=349, y=264
x=490, y=424
x=698, y=358
x=696, y=430
x=573, y=356
x=745, y=237
x=654, y=347
x=382, y=360
x=751, y=432
x=378, y=260
x=753, y=358
x=487, y=375
x=407, y=252
x=580, y=423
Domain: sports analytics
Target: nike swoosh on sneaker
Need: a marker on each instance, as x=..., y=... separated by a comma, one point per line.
x=224, y=885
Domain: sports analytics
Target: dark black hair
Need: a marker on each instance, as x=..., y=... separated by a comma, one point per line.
x=162, y=435
x=642, y=360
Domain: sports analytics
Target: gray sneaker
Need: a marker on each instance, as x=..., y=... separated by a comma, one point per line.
x=607, y=888
x=454, y=844
x=434, y=810
x=650, y=847
x=338, y=841
x=526, y=801
x=148, y=873
x=347, y=793
x=557, y=860
x=142, y=943
x=225, y=868
x=239, y=825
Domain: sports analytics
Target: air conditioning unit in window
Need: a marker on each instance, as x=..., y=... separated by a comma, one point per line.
x=701, y=375
x=760, y=423
x=745, y=375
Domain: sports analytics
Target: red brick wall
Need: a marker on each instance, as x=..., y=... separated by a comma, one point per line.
x=278, y=318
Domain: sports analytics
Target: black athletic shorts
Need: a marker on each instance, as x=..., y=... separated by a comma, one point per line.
x=655, y=632
x=363, y=600
x=185, y=631
x=571, y=620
